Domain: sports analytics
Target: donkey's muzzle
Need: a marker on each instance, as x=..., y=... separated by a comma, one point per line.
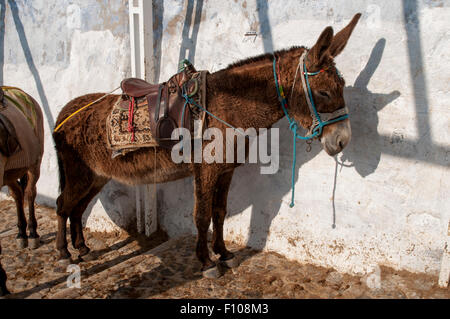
x=336, y=137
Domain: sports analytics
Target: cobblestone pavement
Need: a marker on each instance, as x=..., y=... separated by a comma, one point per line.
x=140, y=267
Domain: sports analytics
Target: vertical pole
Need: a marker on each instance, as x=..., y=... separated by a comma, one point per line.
x=142, y=66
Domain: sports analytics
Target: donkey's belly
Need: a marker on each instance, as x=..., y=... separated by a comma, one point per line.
x=142, y=168
x=161, y=176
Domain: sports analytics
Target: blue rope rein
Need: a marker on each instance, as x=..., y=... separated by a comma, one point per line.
x=293, y=126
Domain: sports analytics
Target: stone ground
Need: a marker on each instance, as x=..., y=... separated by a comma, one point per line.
x=139, y=267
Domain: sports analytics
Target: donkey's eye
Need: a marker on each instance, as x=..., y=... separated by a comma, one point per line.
x=325, y=94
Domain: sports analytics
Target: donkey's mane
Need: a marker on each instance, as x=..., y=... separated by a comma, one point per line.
x=262, y=57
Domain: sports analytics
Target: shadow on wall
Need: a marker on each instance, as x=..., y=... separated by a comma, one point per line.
x=117, y=200
x=158, y=16
x=364, y=106
x=264, y=25
x=29, y=58
x=189, y=43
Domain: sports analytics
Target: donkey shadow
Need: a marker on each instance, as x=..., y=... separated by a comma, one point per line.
x=364, y=107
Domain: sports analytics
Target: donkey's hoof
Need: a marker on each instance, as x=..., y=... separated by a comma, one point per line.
x=212, y=273
x=35, y=243
x=231, y=263
x=22, y=242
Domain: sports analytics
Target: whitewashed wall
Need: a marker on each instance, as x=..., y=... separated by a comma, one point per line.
x=56, y=51
x=388, y=204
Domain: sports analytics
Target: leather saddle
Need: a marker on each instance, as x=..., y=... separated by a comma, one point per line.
x=165, y=103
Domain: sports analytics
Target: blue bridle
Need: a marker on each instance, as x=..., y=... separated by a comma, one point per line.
x=318, y=124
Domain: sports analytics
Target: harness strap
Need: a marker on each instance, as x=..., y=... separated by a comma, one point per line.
x=312, y=109
x=319, y=119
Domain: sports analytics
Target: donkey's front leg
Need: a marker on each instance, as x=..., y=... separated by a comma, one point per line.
x=17, y=194
x=205, y=178
x=218, y=216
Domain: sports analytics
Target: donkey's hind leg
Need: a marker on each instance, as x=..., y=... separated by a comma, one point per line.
x=218, y=217
x=3, y=290
x=76, y=227
x=17, y=194
x=78, y=182
x=30, y=196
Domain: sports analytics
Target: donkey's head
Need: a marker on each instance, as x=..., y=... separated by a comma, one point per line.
x=323, y=87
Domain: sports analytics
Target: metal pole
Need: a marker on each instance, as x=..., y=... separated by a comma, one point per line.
x=142, y=66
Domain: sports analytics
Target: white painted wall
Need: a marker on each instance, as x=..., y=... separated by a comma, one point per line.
x=389, y=203
x=391, y=206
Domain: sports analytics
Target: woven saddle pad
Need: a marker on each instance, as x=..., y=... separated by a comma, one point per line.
x=120, y=139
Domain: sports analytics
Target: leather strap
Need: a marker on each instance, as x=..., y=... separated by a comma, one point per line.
x=324, y=117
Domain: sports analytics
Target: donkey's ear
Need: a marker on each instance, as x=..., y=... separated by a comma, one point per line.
x=340, y=40
x=319, y=50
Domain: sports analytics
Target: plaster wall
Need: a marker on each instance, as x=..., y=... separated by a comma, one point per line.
x=388, y=204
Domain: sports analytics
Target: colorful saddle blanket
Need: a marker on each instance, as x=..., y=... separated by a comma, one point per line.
x=21, y=101
x=149, y=120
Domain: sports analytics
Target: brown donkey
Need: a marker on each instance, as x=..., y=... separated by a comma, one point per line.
x=21, y=150
x=244, y=95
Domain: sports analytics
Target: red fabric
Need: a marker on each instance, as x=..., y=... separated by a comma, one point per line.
x=131, y=118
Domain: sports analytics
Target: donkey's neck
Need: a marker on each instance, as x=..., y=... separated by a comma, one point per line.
x=245, y=93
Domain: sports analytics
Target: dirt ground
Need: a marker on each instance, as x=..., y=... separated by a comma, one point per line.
x=130, y=266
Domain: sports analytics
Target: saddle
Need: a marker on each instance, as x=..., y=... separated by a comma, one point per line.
x=153, y=111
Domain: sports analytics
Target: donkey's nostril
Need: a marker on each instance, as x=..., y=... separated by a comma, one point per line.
x=339, y=142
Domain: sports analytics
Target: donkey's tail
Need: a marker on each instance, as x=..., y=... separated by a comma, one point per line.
x=62, y=175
